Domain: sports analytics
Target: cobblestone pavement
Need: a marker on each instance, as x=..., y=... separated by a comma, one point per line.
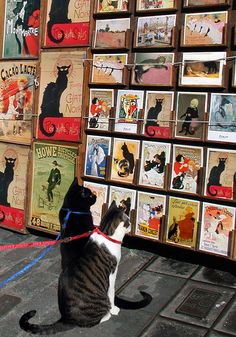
x=189, y=300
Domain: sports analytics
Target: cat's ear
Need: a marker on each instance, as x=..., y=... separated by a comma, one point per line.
x=112, y=205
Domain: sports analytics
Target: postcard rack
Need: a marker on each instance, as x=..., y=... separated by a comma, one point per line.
x=136, y=98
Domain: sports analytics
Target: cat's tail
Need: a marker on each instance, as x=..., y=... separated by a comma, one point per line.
x=151, y=134
x=125, y=304
x=2, y=216
x=51, y=37
x=41, y=126
x=44, y=329
x=209, y=190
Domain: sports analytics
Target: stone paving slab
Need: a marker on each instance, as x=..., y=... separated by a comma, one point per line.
x=227, y=322
x=172, y=267
x=225, y=296
x=216, y=334
x=214, y=276
x=162, y=327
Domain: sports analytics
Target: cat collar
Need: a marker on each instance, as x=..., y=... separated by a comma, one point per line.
x=97, y=230
x=69, y=212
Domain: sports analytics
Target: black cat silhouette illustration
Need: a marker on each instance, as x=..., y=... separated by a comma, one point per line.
x=58, y=14
x=158, y=163
x=214, y=176
x=6, y=178
x=152, y=116
x=148, y=64
x=178, y=181
x=51, y=99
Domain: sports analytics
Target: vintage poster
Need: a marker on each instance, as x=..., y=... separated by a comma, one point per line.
x=101, y=102
x=204, y=28
x=124, y=156
x=60, y=95
x=222, y=118
x=187, y=161
x=53, y=170
x=204, y=69
x=155, y=31
x=129, y=103
x=101, y=193
x=183, y=219
x=97, y=150
x=189, y=3
x=153, y=69
x=21, y=29
x=106, y=6
x=14, y=161
x=158, y=114
x=108, y=68
x=150, y=210
x=153, y=168
x=67, y=23
x=111, y=33
x=17, y=100
x=123, y=197
x=190, y=115
x=217, y=224
x=220, y=176
x=142, y=5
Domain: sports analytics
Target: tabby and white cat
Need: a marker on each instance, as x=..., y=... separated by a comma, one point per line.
x=86, y=291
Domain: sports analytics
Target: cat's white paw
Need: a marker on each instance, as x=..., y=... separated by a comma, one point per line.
x=115, y=310
x=106, y=317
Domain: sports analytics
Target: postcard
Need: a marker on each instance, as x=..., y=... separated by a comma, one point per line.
x=129, y=103
x=187, y=161
x=154, y=159
x=190, y=115
x=100, y=103
x=189, y=3
x=153, y=69
x=13, y=183
x=155, y=31
x=150, y=210
x=124, y=157
x=123, y=197
x=108, y=68
x=147, y=5
x=17, y=96
x=67, y=23
x=204, y=28
x=220, y=174
x=60, y=95
x=216, y=225
x=106, y=6
x=111, y=33
x=97, y=150
x=182, y=224
x=204, y=69
x=21, y=29
x=101, y=193
x=158, y=114
x=222, y=118
x=53, y=170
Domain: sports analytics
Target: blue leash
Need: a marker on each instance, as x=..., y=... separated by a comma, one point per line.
x=45, y=252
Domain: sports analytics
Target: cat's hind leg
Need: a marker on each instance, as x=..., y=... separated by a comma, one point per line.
x=111, y=293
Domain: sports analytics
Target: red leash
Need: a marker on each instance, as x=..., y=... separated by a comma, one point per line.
x=54, y=242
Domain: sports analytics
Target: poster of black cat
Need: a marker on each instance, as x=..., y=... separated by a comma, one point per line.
x=190, y=115
x=97, y=150
x=202, y=69
x=17, y=92
x=53, y=170
x=124, y=159
x=158, y=113
x=217, y=224
x=150, y=210
x=222, y=118
x=153, y=167
x=14, y=160
x=128, y=105
x=67, y=23
x=21, y=29
x=124, y=198
x=186, y=164
x=154, y=69
x=220, y=176
x=60, y=95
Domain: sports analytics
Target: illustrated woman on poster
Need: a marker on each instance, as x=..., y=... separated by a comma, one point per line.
x=96, y=158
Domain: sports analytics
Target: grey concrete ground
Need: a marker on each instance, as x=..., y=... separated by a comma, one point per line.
x=188, y=300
